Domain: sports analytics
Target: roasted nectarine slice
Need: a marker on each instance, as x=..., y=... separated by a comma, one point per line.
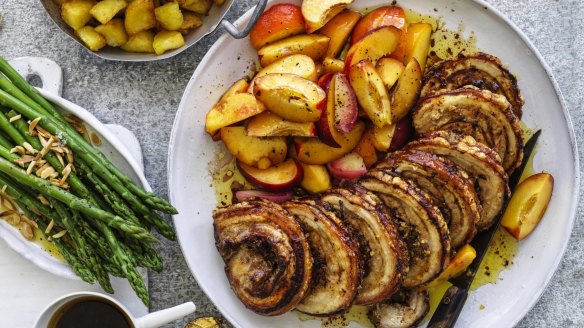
x=268, y=124
x=300, y=65
x=313, y=45
x=232, y=109
x=389, y=70
x=341, y=111
x=407, y=90
x=383, y=16
x=258, y=152
x=366, y=148
x=332, y=65
x=319, y=12
x=278, y=22
x=371, y=93
x=290, y=96
x=403, y=133
x=418, y=38
x=350, y=166
x=457, y=266
x=382, y=137
x=240, y=86
x=280, y=177
x=316, y=178
x=314, y=151
x=339, y=29
x=528, y=205
x=373, y=46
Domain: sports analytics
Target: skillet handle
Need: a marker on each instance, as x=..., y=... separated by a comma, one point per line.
x=231, y=29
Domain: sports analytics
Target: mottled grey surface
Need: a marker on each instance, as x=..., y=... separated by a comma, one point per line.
x=144, y=98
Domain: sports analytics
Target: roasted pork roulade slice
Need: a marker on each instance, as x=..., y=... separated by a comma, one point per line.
x=480, y=70
x=384, y=254
x=405, y=310
x=449, y=187
x=486, y=116
x=479, y=161
x=420, y=225
x=267, y=257
x=336, y=270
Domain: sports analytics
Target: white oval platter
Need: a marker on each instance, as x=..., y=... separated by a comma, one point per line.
x=505, y=303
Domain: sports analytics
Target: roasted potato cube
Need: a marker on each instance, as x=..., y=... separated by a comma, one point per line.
x=140, y=16
x=114, y=32
x=200, y=7
x=140, y=42
x=76, y=12
x=190, y=21
x=169, y=16
x=91, y=38
x=167, y=40
x=105, y=10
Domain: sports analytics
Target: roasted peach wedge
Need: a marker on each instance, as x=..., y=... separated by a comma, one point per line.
x=350, y=167
x=290, y=97
x=371, y=93
x=366, y=148
x=382, y=137
x=268, y=124
x=300, y=65
x=457, y=266
x=232, y=109
x=281, y=177
x=418, y=39
x=373, y=46
x=240, y=86
x=278, y=22
x=341, y=111
x=389, y=69
x=254, y=151
x=316, y=178
x=313, y=45
x=403, y=133
x=339, y=30
x=528, y=205
x=319, y=12
x=383, y=16
x=407, y=90
x=332, y=65
x=315, y=152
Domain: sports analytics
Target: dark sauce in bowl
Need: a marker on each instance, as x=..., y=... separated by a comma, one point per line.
x=90, y=312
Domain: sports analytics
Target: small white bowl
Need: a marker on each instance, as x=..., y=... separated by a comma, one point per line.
x=210, y=24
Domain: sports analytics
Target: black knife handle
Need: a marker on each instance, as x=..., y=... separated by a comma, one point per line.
x=449, y=308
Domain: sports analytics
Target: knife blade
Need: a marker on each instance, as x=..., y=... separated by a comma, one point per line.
x=453, y=300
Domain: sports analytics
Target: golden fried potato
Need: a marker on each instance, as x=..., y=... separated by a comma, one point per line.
x=105, y=10
x=190, y=21
x=76, y=12
x=200, y=7
x=140, y=16
x=167, y=40
x=91, y=38
x=169, y=16
x=140, y=42
x=114, y=32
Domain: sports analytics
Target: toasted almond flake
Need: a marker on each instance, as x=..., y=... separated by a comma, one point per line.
x=33, y=125
x=29, y=148
x=15, y=118
x=18, y=150
x=59, y=234
x=8, y=203
x=66, y=171
x=49, y=172
x=13, y=219
x=3, y=190
x=23, y=160
x=43, y=200
x=42, y=168
x=46, y=148
x=42, y=139
x=64, y=185
x=30, y=167
x=26, y=231
x=60, y=158
x=29, y=221
x=70, y=158
x=50, y=227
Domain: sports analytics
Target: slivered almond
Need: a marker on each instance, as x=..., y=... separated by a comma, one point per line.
x=43, y=200
x=18, y=150
x=42, y=168
x=70, y=158
x=26, y=231
x=60, y=158
x=33, y=125
x=43, y=139
x=49, y=172
x=66, y=171
x=46, y=148
x=29, y=148
x=43, y=132
x=29, y=221
x=50, y=227
x=30, y=167
x=59, y=234
x=15, y=118
x=23, y=160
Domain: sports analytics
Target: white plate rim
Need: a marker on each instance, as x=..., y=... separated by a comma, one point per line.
x=575, y=196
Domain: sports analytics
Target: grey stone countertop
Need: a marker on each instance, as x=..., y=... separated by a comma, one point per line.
x=145, y=96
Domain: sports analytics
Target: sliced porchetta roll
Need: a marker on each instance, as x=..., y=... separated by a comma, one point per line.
x=449, y=187
x=385, y=258
x=404, y=311
x=420, y=225
x=267, y=257
x=480, y=162
x=337, y=269
x=480, y=70
x=485, y=116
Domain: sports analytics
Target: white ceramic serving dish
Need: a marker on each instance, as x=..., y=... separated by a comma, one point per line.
x=191, y=151
x=211, y=22
x=111, y=145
